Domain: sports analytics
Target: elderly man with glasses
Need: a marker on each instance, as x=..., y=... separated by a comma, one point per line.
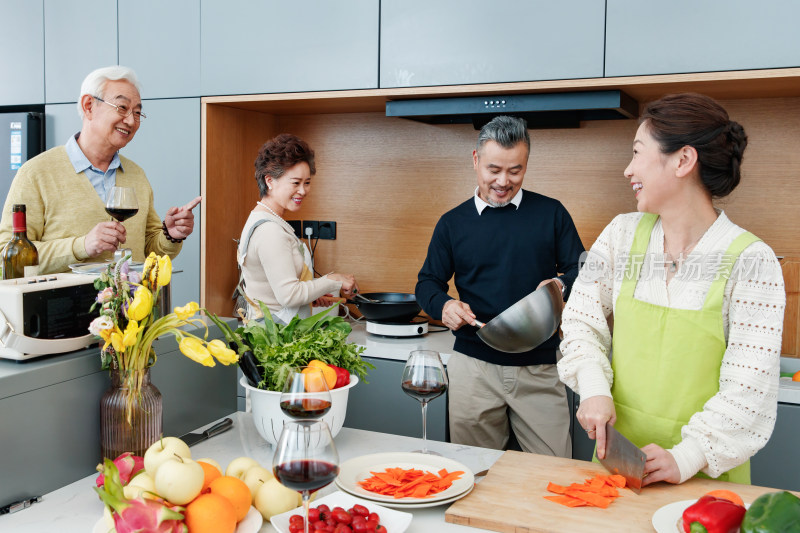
x=65, y=188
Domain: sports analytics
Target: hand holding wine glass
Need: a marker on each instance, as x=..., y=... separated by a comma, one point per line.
x=305, y=394
x=424, y=379
x=305, y=459
x=121, y=204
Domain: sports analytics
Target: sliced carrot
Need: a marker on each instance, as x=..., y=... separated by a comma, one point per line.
x=569, y=501
x=617, y=480
x=598, y=491
x=558, y=489
x=403, y=483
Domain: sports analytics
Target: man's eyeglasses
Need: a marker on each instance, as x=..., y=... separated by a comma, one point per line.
x=123, y=110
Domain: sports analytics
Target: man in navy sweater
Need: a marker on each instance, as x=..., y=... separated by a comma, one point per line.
x=499, y=246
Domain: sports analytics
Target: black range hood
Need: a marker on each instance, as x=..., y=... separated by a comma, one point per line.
x=542, y=110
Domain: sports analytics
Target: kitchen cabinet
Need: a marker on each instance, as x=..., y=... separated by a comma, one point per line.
x=381, y=405
x=61, y=121
x=79, y=36
x=451, y=42
x=22, y=60
x=777, y=464
x=166, y=148
x=161, y=42
x=264, y=46
x=50, y=411
x=690, y=36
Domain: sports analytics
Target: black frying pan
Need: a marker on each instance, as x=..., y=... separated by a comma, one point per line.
x=389, y=306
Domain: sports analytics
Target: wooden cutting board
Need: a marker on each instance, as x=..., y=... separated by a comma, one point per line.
x=511, y=498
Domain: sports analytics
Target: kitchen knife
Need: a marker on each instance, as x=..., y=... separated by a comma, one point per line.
x=624, y=458
x=193, y=438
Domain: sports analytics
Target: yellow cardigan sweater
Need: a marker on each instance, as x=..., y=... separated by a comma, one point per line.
x=62, y=207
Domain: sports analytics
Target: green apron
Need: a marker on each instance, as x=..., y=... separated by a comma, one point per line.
x=666, y=361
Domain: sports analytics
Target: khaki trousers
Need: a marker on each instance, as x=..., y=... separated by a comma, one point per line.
x=484, y=398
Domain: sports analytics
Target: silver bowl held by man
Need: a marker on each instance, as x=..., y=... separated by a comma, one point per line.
x=526, y=324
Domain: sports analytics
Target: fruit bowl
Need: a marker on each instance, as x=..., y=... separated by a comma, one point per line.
x=269, y=419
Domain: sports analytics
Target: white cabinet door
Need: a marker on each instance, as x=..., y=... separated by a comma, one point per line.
x=79, y=36
x=161, y=42
x=22, y=56
x=268, y=46
x=700, y=36
x=451, y=42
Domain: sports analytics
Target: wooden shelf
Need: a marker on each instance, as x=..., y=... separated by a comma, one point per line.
x=728, y=85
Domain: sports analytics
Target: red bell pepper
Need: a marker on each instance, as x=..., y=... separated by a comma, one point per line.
x=713, y=515
x=342, y=376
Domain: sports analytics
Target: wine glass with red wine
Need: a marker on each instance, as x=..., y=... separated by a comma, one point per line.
x=121, y=204
x=305, y=459
x=305, y=394
x=424, y=379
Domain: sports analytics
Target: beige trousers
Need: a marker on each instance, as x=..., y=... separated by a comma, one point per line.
x=485, y=398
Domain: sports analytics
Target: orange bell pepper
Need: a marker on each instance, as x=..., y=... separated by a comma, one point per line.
x=328, y=374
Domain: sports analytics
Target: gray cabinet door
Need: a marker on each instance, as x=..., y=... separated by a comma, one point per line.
x=167, y=147
x=266, y=46
x=161, y=42
x=692, y=36
x=22, y=57
x=79, y=36
x=61, y=121
x=381, y=405
x=776, y=464
x=450, y=42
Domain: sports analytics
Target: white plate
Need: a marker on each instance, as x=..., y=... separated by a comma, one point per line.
x=393, y=521
x=360, y=468
x=419, y=504
x=251, y=523
x=665, y=519
x=95, y=269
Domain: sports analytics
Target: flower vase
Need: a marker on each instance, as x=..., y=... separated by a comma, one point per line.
x=120, y=433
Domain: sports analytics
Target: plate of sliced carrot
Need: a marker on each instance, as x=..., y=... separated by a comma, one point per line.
x=404, y=479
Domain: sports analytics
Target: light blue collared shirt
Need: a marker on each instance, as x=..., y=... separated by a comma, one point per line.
x=480, y=205
x=101, y=181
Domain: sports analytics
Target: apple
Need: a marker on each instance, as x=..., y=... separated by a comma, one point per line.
x=272, y=499
x=239, y=466
x=211, y=462
x=179, y=480
x=141, y=485
x=163, y=450
x=255, y=477
x=108, y=519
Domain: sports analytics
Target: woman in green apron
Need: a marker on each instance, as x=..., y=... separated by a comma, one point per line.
x=673, y=330
x=276, y=266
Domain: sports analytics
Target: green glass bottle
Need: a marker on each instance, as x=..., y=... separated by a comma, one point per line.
x=19, y=256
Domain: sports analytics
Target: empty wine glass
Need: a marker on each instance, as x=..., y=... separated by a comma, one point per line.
x=305, y=459
x=424, y=379
x=121, y=204
x=305, y=394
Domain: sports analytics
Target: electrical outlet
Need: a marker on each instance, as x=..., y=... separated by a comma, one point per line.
x=297, y=226
x=327, y=229
x=314, y=225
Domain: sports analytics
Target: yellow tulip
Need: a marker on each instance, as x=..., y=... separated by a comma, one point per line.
x=164, y=270
x=222, y=353
x=187, y=311
x=116, y=342
x=148, y=269
x=193, y=349
x=131, y=331
x=105, y=334
x=142, y=304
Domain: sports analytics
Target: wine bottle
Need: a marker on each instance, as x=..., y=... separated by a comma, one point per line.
x=19, y=256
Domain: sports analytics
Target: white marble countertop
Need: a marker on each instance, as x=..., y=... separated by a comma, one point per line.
x=75, y=508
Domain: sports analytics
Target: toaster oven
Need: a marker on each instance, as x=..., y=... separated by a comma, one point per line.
x=43, y=315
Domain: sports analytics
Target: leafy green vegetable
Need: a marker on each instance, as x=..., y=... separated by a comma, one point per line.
x=281, y=348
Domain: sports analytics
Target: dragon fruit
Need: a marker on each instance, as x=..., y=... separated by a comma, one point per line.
x=137, y=515
x=128, y=465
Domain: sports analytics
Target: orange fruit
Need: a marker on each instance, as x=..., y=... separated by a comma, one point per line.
x=235, y=491
x=726, y=495
x=210, y=474
x=796, y=376
x=210, y=513
x=319, y=377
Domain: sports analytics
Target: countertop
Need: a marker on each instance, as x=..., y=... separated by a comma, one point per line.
x=75, y=508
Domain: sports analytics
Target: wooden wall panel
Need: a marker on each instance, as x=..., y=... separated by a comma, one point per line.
x=386, y=181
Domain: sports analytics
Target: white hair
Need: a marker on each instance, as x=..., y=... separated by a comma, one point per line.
x=95, y=82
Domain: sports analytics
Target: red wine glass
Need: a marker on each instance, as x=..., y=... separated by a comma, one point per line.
x=424, y=379
x=305, y=394
x=121, y=204
x=305, y=459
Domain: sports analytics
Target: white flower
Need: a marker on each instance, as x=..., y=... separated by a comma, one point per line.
x=105, y=295
x=100, y=323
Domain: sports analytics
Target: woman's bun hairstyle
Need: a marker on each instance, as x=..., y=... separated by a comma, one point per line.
x=696, y=120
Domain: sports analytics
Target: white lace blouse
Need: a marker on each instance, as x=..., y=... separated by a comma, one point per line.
x=737, y=421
